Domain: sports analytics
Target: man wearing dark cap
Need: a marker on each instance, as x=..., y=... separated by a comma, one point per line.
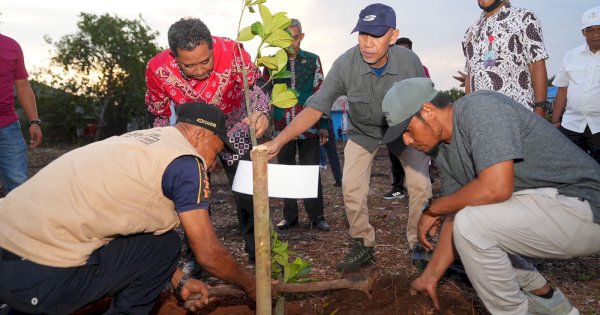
x=364, y=73
x=502, y=198
x=99, y=220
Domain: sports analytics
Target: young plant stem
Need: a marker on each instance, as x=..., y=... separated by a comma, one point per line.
x=246, y=86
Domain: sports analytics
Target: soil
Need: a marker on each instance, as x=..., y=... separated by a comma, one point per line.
x=578, y=279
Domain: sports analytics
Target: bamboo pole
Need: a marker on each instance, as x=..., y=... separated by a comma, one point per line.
x=262, y=232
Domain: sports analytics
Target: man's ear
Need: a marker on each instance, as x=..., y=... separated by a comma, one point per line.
x=395, y=34
x=429, y=109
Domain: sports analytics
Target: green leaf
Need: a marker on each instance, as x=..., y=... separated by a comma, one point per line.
x=267, y=18
x=279, y=38
x=280, y=260
x=245, y=34
x=267, y=61
x=279, y=88
x=251, y=9
x=285, y=74
x=280, y=21
x=257, y=29
x=283, y=99
x=282, y=59
x=286, y=274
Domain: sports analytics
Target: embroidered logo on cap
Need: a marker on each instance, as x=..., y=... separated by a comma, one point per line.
x=369, y=18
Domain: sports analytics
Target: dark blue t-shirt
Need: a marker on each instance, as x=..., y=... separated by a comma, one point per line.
x=185, y=182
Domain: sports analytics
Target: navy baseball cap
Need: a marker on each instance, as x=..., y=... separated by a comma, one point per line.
x=401, y=102
x=208, y=117
x=376, y=19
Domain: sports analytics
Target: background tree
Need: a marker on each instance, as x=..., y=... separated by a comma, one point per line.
x=454, y=94
x=103, y=64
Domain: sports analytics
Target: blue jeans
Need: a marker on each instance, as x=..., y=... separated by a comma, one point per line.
x=13, y=156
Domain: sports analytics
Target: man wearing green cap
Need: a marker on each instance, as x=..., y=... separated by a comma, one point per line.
x=502, y=198
x=364, y=73
x=101, y=220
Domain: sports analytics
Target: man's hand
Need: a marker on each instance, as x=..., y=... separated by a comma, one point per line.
x=540, y=111
x=260, y=122
x=273, y=148
x=427, y=224
x=194, y=286
x=422, y=285
x=323, y=136
x=461, y=77
x=35, y=135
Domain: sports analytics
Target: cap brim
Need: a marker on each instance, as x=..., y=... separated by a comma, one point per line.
x=228, y=145
x=589, y=25
x=376, y=30
x=393, y=136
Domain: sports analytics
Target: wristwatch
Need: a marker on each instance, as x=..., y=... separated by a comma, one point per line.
x=183, y=280
x=426, y=205
x=426, y=209
x=543, y=104
x=35, y=122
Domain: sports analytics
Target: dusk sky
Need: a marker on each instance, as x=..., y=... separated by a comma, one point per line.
x=435, y=27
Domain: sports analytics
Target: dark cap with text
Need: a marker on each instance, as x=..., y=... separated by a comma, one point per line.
x=206, y=116
x=376, y=19
x=401, y=102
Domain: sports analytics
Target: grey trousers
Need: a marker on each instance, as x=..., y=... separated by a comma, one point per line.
x=495, y=241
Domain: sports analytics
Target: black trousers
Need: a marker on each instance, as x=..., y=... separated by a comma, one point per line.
x=397, y=173
x=332, y=155
x=133, y=270
x=588, y=142
x=244, y=207
x=308, y=154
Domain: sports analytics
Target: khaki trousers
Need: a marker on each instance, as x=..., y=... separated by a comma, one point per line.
x=358, y=163
x=493, y=241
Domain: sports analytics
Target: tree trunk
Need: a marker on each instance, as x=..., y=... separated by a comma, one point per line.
x=262, y=233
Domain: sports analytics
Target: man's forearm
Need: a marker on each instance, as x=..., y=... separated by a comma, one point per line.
x=26, y=98
x=560, y=102
x=539, y=81
x=494, y=184
x=222, y=265
x=307, y=118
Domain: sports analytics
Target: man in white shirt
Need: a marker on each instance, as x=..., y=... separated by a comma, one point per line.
x=576, y=110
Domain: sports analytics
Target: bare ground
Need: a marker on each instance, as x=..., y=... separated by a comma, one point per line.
x=579, y=278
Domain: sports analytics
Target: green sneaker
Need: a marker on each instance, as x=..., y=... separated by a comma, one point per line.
x=558, y=304
x=359, y=256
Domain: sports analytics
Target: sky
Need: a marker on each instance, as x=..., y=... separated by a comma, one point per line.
x=436, y=27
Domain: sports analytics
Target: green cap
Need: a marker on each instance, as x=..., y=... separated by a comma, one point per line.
x=401, y=102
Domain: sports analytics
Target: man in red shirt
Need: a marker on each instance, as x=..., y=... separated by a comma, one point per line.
x=13, y=149
x=205, y=68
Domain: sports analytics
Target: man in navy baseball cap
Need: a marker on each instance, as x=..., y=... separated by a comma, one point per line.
x=376, y=19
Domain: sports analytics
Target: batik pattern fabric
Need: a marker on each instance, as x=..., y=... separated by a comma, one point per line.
x=498, y=50
x=307, y=76
x=224, y=88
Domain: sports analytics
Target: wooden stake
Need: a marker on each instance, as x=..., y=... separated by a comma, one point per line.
x=262, y=233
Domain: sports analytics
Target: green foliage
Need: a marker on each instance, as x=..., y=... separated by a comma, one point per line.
x=283, y=97
x=272, y=32
x=454, y=94
x=280, y=263
x=104, y=64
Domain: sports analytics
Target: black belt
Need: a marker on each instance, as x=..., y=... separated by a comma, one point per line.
x=8, y=256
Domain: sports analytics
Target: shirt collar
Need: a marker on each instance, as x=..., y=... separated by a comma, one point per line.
x=366, y=69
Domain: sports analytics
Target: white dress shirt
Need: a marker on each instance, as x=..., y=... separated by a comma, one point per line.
x=580, y=73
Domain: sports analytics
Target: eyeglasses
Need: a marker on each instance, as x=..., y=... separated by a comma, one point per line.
x=592, y=30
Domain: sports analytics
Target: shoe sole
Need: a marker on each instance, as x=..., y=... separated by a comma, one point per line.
x=392, y=198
